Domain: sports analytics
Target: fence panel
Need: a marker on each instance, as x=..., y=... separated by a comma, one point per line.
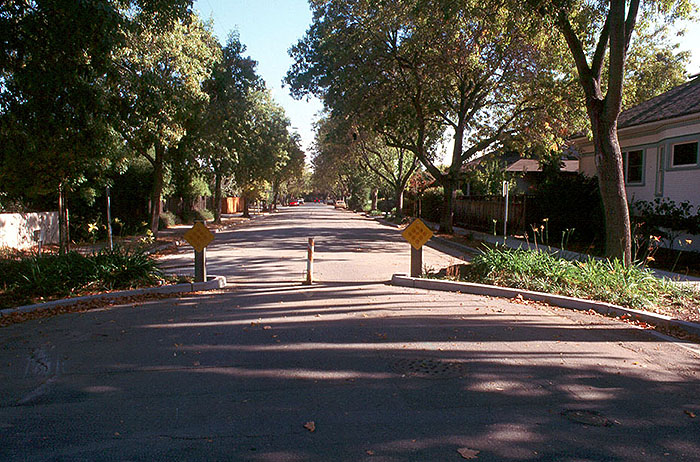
x=479, y=212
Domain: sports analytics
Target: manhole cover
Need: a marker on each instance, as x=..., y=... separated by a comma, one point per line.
x=429, y=368
x=585, y=417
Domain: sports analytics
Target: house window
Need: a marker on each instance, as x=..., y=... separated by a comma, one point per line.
x=685, y=154
x=634, y=166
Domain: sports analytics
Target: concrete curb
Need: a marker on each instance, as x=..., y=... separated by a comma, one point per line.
x=213, y=282
x=556, y=300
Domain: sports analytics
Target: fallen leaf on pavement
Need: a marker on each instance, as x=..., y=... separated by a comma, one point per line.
x=467, y=453
x=310, y=426
x=267, y=327
x=690, y=414
x=370, y=452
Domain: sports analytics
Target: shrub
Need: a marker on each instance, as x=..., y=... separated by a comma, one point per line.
x=570, y=202
x=26, y=278
x=167, y=219
x=432, y=203
x=197, y=215
x=603, y=280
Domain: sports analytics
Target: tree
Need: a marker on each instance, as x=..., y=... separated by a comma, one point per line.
x=55, y=72
x=613, y=23
x=222, y=129
x=412, y=70
x=162, y=69
x=393, y=165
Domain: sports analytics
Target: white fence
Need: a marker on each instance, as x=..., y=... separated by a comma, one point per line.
x=23, y=230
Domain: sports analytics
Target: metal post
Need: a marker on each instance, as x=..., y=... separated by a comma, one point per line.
x=416, y=262
x=109, y=222
x=505, y=221
x=310, y=262
x=200, y=265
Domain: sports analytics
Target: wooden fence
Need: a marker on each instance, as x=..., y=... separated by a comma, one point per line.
x=479, y=212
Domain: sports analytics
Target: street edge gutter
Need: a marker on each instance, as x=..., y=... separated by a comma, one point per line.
x=213, y=283
x=561, y=301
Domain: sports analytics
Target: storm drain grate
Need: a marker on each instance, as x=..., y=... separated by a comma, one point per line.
x=429, y=368
x=585, y=417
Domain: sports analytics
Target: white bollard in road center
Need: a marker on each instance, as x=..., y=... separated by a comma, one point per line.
x=310, y=262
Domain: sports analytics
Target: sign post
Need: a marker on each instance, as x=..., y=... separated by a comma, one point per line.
x=505, y=220
x=199, y=237
x=417, y=234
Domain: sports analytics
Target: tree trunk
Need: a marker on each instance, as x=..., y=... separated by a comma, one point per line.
x=246, y=211
x=157, y=188
x=450, y=186
x=375, y=199
x=608, y=156
x=399, y=202
x=217, y=198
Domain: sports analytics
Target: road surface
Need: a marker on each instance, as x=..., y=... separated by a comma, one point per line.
x=349, y=369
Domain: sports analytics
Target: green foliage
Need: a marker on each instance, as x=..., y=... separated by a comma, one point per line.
x=603, y=280
x=569, y=201
x=167, y=220
x=488, y=176
x=433, y=203
x=27, y=278
x=197, y=215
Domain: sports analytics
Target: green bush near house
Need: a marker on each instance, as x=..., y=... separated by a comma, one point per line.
x=24, y=279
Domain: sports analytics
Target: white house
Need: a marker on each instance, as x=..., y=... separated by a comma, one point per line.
x=660, y=141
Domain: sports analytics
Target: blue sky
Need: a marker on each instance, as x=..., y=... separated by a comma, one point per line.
x=270, y=27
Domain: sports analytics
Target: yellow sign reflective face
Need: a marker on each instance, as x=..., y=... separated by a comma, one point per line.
x=199, y=236
x=417, y=234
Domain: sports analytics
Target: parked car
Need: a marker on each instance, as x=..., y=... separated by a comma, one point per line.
x=330, y=202
x=340, y=204
x=293, y=203
x=301, y=201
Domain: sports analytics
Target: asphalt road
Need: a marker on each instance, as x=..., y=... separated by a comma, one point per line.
x=383, y=373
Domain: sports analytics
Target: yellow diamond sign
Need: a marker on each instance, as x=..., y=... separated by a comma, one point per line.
x=417, y=234
x=199, y=236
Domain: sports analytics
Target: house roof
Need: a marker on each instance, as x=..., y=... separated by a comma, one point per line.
x=533, y=165
x=678, y=101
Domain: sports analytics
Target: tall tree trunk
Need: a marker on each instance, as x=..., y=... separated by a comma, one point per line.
x=375, y=198
x=399, y=202
x=246, y=211
x=449, y=184
x=608, y=157
x=157, y=187
x=217, y=197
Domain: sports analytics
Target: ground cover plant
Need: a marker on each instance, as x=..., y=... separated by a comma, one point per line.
x=29, y=278
x=596, y=279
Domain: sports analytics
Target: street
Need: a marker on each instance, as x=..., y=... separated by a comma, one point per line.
x=348, y=369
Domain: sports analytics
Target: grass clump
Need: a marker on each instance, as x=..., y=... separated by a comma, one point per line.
x=602, y=280
x=24, y=279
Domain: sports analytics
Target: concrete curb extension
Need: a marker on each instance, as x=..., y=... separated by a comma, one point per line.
x=556, y=300
x=213, y=282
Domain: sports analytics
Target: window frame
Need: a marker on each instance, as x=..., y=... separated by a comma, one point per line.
x=672, y=157
x=626, y=166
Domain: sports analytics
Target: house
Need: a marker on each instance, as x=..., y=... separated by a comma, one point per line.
x=659, y=140
x=526, y=172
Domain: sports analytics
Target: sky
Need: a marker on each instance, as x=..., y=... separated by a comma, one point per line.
x=270, y=27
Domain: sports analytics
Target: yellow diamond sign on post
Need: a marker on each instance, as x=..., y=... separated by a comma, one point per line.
x=199, y=236
x=417, y=234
